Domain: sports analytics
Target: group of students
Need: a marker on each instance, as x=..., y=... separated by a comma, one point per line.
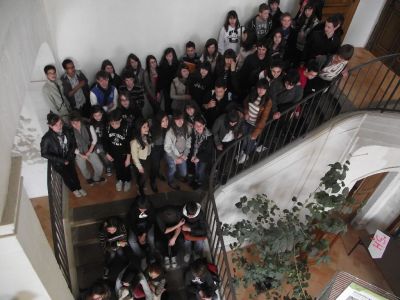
x=150, y=242
x=185, y=110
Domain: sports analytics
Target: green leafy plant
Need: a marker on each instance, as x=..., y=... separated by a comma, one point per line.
x=274, y=246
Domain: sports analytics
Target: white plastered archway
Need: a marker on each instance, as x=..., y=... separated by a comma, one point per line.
x=32, y=126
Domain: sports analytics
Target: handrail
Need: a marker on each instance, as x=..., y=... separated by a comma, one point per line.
x=341, y=96
x=55, y=189
x=60, y=227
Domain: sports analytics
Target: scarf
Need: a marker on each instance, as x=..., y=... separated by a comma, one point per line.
x=199, y=139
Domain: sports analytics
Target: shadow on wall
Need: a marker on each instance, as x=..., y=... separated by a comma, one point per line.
x=24, y=295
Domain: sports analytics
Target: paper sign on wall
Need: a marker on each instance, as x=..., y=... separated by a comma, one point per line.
x=378, y=244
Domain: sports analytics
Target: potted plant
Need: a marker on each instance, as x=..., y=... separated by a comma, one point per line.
x=274, y=246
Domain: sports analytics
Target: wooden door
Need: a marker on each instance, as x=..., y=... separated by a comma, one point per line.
x=361, y=192
x=385, y=38
x=345, y=7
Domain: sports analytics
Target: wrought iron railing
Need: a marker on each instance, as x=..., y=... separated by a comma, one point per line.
x=55, y=189
x=369, y=86
x=61, y=231
x=218, y=251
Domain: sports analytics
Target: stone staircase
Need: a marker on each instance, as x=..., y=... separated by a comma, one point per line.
x=89, y=260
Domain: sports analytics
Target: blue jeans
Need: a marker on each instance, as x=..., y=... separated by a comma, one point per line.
x=172, y=167
x=248, y=144
x=196, y=246
x=200, y=169
x=134, y=244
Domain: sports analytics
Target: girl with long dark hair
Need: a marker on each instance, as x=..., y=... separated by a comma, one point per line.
x=177, y=147
x=179, y=88
x=151, y=85
x=134, y=65
x=304, y=24
x=276, y=45
x=167, y=71
x=229, y=36
x=247, y=47
x=127, y=110
x=159, y=128
x=211, y=53
x=114, y=78
x=140, y=150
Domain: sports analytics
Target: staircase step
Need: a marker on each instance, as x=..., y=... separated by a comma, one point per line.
x=89, y=273
x=89, y=253
x=85, y=231
x=89, y=256
x=101, y=211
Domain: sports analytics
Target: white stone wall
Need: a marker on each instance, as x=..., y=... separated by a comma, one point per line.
x=23, y=29
x=369, y=140
x=92, y=30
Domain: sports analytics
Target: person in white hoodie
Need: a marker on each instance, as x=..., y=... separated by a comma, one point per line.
x=230, y=34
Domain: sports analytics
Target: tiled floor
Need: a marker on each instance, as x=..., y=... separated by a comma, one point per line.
x=358, y=264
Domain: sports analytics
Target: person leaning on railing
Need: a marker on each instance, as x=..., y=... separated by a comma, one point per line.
x=257, y=107
x=58, y=147
x=330, y=68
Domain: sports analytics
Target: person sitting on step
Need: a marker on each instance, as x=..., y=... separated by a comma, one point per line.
x=170, y=221
x=194, y=230
x=114, y=240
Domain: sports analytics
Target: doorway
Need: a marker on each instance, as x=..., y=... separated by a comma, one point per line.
x=361, y=193
x=345, y=7
x=385, y=39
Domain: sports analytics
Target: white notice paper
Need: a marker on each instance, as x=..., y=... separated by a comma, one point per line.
x=378, y=244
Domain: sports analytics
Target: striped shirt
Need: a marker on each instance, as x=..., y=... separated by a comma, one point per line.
x=254, y=109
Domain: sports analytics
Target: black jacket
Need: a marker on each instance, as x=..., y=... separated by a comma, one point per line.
x=211, y=114
x=140, y=224
x=108, y=241
x=198, y=224
x=205, y=151
x=319, y=44
x=220, y=129
x=50, y=147
x=199, y=87
x=194, y=285
x=166, y=73
x=282, y=98
x=250, y=71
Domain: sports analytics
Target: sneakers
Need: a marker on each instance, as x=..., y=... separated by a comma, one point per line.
x=101, y=180
x=242, y=158
x=82, y=192
x=90, y=181
x=167, y=263
x=174, y=263
x=118, y=186
x=261, y=148
x=77, y=194
x=127, y=186
x=108, y=172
